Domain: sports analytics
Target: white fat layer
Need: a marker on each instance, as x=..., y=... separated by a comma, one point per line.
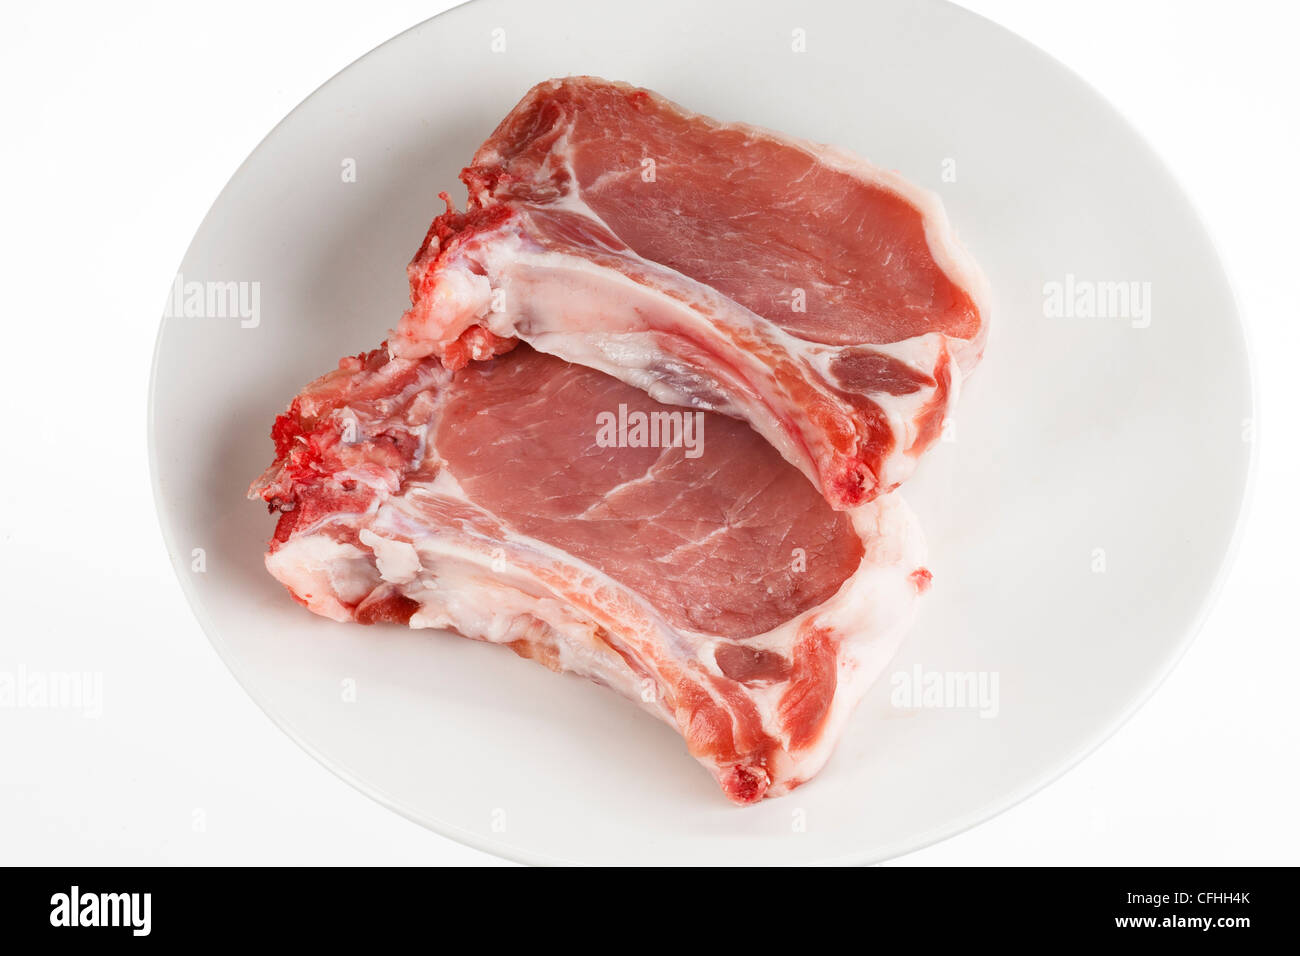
x=328, y=575
x=397, y=561
x=569, y=307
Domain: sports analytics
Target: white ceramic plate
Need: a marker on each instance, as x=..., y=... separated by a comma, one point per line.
x=1078, y=521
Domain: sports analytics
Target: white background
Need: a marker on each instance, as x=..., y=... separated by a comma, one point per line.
x=122, y=122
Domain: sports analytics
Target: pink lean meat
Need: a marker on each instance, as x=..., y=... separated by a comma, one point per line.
x=714, y=265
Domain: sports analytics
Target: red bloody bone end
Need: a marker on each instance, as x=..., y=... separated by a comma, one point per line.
x=745, y=785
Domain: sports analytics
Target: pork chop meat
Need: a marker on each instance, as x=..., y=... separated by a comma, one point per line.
x=714, y=265
x=707, y=580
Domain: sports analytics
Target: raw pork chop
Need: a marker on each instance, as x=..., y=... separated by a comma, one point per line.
x=719, y=266
x=707, y=581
